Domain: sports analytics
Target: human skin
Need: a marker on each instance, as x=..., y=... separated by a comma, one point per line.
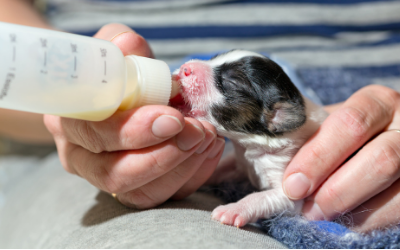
x=336, y=180
x=22, y=126
x=145, y=155
x=367, y=183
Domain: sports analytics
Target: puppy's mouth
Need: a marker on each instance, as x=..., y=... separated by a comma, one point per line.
x=180, y=101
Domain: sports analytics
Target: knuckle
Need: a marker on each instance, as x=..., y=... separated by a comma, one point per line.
x=382, y=90
x=391, y=94
x=130, y=139
x=156, y=166
x=317, y=152
x=90, y=139
x=333, y=197
x=107, y=181
x=355, y=122
x=109, y=185
x=386, y=163
x=68, y=168
x=384, y=98
x=52, y=124
x=141, y=200
x=67, y=155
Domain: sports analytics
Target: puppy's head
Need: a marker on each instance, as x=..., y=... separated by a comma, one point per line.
x=240, y=91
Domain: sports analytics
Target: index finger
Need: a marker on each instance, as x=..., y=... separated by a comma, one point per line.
x=129, y=42
x=363, y=115
x=124, y=130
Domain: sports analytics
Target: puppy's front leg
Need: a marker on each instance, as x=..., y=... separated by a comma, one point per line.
x=262, y=204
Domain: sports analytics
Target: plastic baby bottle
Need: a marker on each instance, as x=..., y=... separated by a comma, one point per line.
x=51, y=72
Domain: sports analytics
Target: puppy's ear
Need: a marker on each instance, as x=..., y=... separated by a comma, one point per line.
x=284, y=117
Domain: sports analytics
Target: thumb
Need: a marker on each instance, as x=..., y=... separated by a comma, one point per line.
x=129, y=42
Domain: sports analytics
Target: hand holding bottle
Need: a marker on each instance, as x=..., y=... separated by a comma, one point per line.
x=144, y=155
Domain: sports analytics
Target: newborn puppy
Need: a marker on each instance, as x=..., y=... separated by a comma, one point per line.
x=251, y=101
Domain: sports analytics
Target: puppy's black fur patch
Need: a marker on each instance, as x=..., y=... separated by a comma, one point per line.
x=259, y=98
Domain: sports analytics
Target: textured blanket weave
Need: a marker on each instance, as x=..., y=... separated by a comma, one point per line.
x=297, y=232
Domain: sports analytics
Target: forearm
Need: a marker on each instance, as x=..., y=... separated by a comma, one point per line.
x=22, y=126
x=21, y=12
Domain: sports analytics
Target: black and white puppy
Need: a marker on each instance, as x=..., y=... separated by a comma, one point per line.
x=251, y=101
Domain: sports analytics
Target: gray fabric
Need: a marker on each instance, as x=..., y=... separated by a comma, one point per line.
x=11, y=147
x=42, y=206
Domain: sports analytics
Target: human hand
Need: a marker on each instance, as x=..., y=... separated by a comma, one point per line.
x=145, y=155
x=337, y=180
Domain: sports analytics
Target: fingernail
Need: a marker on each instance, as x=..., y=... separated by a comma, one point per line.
x=189, y=137
x=296, y=186
x=207, y=141
x=312, y=211
x=166, y=125
x=219, y=144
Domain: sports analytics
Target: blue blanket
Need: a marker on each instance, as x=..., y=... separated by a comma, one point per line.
x=297, y=232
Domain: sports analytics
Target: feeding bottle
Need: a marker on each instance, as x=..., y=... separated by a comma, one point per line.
x=51, y=72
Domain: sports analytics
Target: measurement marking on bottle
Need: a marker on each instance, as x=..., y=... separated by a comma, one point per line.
x=45, y=59
x=43, y=42
x=103, y=53
x=6, y=86
x=75, y=63
x=74, y=48
x=13, y=38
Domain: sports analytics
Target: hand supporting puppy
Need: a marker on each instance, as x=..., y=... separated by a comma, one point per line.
x=145, y=155
x=337, y=178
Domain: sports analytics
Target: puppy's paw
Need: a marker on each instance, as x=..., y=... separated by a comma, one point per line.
x=234, y=214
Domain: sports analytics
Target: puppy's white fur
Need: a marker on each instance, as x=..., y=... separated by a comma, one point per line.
x=263, y=160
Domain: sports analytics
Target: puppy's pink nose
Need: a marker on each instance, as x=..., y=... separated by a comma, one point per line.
x=186, y=70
